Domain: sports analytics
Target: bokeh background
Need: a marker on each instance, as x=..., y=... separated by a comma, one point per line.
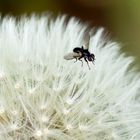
x=121, y=18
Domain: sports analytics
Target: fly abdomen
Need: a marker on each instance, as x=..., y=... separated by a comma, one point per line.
x=77, y=50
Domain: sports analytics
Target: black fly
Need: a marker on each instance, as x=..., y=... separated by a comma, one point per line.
x=83, y=52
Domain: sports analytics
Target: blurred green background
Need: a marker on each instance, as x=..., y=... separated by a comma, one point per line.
x=121, y=18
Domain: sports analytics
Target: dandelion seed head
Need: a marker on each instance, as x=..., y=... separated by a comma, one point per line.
x=66, y=111
x=2, y=75
x=46, y=130
x=31, y=91
x=69, y=101
x=87, y=111
x=14, y=112
x=44, y=118
x=69, y=126
x=66, y=100
x=38, y=133
x=43, y=106
x=14, y=126
x=2, y=109
x=17, y=86
x=83, y=127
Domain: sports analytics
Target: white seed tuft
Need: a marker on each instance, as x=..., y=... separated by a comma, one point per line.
x=40, y=89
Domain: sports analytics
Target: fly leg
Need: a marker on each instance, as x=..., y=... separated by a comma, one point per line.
x=80, y=60
x=75, y=60
x=87, y=62
x=93, y=62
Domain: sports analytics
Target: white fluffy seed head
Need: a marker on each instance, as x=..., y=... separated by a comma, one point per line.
x=2, y=110
x=40, y=89
x=44, y=118
x=38, y=133
x=2, y=75
x=13, y=127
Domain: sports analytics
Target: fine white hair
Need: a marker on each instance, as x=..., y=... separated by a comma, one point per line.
x=45, y=97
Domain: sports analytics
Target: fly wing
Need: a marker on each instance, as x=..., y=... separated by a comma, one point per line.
x=86, y=40
x=70, y=56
